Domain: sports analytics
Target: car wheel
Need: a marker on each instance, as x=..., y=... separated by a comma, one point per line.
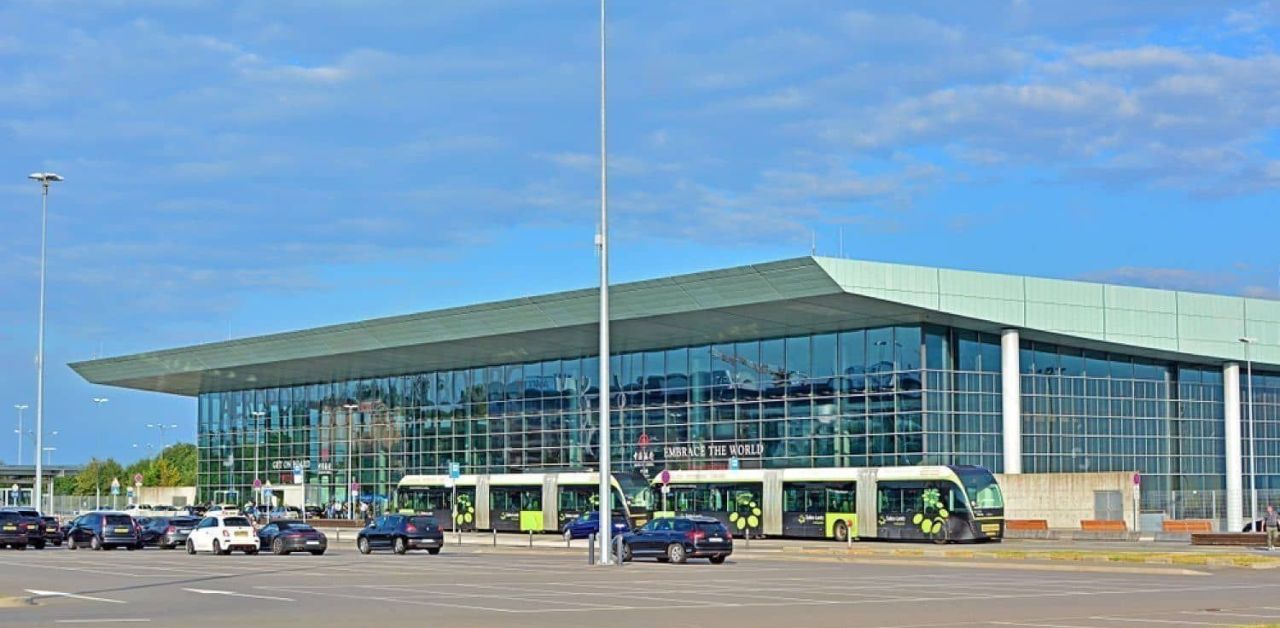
x=317, y=552
x=433, y=550
x=400, y=546
x=676, y=553
x=131, y=547
x=39, y=544
x=217, y=548
x=95, y=544
x=71, y=544
x=20, y=546
x=191, y=547
x=277, y=547
x=626, y=553
x=717, y=560
x=363, y=545
x=841, y=531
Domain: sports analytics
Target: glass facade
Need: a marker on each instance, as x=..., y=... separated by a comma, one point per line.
x=891, y=395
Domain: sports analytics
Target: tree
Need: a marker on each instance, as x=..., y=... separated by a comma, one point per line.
x=97, y=475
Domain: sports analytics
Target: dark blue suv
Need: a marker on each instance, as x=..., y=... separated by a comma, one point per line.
x=588, y=523
x=677, y=539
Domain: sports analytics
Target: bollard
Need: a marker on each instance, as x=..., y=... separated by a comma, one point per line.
x=848, y=535
x=591, y=549
x=617, y=544
x=495, y=537
x=530, y=538
x=459, y=529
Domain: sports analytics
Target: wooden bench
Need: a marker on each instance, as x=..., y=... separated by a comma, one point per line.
x=1103, y=525
x=1188, y=525
x=1235, y=539
x=1026, y=524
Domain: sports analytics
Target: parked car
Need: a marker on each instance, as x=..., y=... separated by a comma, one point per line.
x=286, y=512
x=288, y=536
x=314, y=512
x=588, y=523
x=222, y=534
x=13, y=532
x=168, y=532
x=104, y=531
x=52, y=531
x=30, y=519
x=677, y=539
x=401, y=533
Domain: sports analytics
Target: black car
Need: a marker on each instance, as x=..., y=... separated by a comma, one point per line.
x=314, y=512
x=677, y=539
x=401, y=533
x=167, y=532
x=13, y=531
x=104, y=530
x=285, y=537
x=30, y=519
x=52, y=531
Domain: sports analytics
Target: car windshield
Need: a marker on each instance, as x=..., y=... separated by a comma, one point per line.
x=710, y=528
x=235, y=522
x=426, y=522
x=296, y=527
x=183, y=522
x=118, y=520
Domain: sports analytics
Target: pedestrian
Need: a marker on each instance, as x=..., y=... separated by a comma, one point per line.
x=364, y=512
x=1271, y=525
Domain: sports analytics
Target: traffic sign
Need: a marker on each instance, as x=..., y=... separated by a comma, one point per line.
x=297, y=474
x=734, y=464
x=137, y=478
x=455, y=470
x=257, y=483
x=665, y=477
x=355, y=487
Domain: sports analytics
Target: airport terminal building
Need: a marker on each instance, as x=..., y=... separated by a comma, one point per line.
x=809, y=362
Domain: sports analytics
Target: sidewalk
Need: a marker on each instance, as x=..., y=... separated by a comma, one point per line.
x=1094, y=552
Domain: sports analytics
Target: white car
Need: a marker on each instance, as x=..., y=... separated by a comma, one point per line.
x=221, y=534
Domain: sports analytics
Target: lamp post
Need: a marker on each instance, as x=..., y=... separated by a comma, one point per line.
x=351, y=478
x=162, y=427
x=45, y=178
x=602, y=238
x=257, y=436
x=1253, y=462
x=48, y=461
x=20, y=407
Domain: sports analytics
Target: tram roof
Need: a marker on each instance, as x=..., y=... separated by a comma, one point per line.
x=787, y=297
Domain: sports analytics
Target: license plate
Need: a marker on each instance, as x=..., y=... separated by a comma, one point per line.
x=313, y=542
x=184, y=530
x=122, y=530
x=990, y=528
x=242, y=534
x=715, y=539
x=50, y=529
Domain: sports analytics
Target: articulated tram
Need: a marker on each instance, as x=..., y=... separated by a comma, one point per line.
x=938, y=503
x=521, y=502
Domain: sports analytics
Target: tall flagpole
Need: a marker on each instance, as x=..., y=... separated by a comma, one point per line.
x=605, y=508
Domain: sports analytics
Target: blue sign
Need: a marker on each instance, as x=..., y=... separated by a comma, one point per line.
x=455, y=470
x=734, y=464
x=115, y=490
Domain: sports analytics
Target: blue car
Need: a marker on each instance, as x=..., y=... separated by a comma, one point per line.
x=588, y=523
x=677, y=539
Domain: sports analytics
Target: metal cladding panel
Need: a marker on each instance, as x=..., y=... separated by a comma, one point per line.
x=1141, y=299
x=1060, y=292
x=1137, y=323
x=1066, y=319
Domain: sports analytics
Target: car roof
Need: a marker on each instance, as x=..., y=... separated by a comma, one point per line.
x=698, y=518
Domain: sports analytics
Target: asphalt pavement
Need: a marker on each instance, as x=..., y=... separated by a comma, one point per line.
x=477, y=586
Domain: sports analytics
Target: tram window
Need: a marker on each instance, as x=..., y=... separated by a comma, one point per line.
x=954, y=499
x=531, y=500
x=841, y=499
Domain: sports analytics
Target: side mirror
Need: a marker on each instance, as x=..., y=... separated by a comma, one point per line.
x=370, y=525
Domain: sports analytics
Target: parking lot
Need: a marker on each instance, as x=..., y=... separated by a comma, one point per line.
x=476, y=587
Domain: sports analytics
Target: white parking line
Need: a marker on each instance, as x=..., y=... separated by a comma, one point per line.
x=1149, y=620
x=234, y=594
x=40, y=593
x=113, y=620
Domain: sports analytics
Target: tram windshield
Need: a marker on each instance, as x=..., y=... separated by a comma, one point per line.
x=636, y=490
x=984, y=492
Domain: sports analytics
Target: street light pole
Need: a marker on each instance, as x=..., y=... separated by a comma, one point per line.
x=351, y=478
x=162, y=427
x=605, y=509
x=257, y=436
x=45, y=178
x=20, y=407
x=1253, y=462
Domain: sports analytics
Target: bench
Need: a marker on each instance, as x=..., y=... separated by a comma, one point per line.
x=1026, y=525
x=1234, y=539
x=1188, y=525
x=1103, y=525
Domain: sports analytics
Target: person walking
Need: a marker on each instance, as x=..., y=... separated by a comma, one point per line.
x=1271, y=525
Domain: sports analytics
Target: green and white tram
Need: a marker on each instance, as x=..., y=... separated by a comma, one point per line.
x=521, y=502
x=939, y=503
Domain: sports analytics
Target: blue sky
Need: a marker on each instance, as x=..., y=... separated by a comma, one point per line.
x=236, y=168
